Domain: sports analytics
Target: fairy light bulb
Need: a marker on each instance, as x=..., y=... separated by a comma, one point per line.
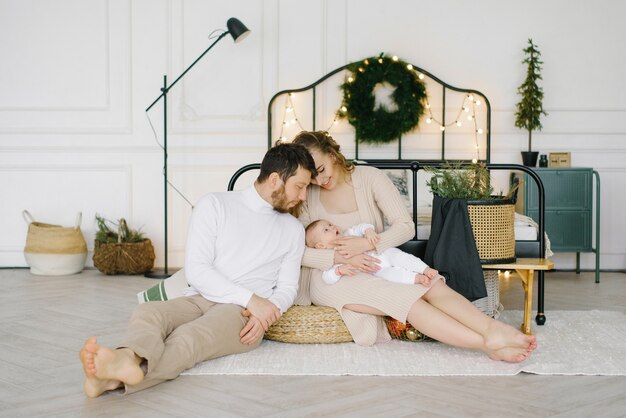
x=474, y=161
x=350, y=79
x=380, y=60
x=458, y=123
x=395, y=58
x=442, y=128
x=427, y=105
x=335, y=122
x=361, y=69
x=465, y=109
x=507, y=274
x=470, y=117
x=289, y=109
x=344, y=109
x=282, y=138
x=428, y=120
x=477, y=102
x=420, y=76
x=409, y=67
x=470, y=97
x=366, y=62
x=480, y=130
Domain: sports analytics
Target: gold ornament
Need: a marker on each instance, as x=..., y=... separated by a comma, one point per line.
x=411, y=334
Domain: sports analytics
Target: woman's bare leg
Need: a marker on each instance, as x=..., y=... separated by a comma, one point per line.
x=497, y=334
x=435, y=323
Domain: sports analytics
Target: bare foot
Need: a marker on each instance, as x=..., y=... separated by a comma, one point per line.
x=107, y=369
x=509, y=354
x=500, y=335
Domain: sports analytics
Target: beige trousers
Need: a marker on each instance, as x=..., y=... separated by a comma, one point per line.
x=177, y=334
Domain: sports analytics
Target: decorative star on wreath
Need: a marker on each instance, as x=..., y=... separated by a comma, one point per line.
x=378, y=124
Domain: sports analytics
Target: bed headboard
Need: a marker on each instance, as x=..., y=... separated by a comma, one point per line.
x=446, y=111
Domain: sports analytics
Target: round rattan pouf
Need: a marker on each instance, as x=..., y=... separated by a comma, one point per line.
x=309, y=325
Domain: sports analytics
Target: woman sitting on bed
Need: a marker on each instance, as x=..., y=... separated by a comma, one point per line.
x=348, y=195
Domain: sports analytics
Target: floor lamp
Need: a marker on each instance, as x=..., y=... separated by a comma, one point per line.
x=238, y=31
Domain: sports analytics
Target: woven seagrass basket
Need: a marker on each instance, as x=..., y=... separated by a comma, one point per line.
x=494, y=231
x=124, y=258
x=309, y=325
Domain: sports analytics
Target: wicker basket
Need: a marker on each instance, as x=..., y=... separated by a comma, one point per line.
x=490, y=305
x=493, y=227
x=124, y=258
x=309, y=325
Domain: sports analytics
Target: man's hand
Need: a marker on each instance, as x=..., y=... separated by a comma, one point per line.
x=252, y=331
x=264, y=310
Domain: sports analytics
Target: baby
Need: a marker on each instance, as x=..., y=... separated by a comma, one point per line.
x=395, y=265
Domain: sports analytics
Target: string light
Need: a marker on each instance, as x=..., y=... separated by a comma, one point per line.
x=467, y=106
x=289, y=117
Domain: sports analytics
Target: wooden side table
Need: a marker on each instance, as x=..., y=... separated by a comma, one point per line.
x=525, y=267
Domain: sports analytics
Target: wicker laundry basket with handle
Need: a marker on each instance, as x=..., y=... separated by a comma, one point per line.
x=54, y=250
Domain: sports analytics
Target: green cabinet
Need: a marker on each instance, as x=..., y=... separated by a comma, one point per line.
x=569, y=209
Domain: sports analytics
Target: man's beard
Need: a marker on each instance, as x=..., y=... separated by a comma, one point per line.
x=279, y=200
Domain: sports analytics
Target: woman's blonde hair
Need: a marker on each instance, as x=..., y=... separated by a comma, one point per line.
x=324, y=143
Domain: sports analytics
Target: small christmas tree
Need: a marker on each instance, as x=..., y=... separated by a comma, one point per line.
x=530, y=108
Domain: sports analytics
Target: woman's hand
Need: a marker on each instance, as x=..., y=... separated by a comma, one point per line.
x=363, y=262
x=350, y=246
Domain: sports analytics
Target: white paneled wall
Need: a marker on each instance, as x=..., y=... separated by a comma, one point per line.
x=77, y=77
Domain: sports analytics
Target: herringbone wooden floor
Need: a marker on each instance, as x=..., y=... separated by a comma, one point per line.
x=44, y=321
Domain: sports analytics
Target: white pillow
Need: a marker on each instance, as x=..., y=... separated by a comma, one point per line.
x=170, y=288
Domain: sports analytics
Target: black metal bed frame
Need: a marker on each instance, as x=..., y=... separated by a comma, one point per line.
x=523, y=248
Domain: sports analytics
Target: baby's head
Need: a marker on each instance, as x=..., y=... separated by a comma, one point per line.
x=321, y=234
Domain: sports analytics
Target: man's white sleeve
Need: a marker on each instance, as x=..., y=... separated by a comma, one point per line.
x=289, y=274
x=200, y=255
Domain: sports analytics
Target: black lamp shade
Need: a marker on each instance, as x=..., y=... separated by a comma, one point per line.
x=237, y=29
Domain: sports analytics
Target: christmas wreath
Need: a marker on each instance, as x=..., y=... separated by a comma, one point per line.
x=378, y=125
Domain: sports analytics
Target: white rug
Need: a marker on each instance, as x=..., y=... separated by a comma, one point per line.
x=570, y=343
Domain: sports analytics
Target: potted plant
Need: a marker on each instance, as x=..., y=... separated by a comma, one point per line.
x=530, y=107
x=492, y=216
x=121, y=250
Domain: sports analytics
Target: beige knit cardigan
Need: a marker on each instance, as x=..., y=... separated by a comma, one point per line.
x=377, y=198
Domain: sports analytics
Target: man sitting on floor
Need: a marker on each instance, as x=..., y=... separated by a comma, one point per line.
x=243, y=251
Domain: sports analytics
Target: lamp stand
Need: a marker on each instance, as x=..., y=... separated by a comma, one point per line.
x=164, y=90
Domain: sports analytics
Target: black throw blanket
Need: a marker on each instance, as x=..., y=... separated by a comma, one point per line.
x=451, y=248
